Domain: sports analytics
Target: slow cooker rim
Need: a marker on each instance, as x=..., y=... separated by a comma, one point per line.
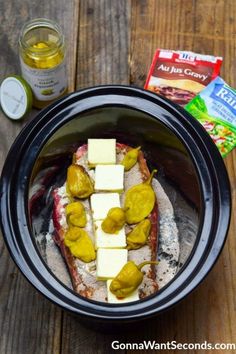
x=75, y=95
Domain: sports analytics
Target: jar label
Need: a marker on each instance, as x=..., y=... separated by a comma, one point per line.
x=46, y=84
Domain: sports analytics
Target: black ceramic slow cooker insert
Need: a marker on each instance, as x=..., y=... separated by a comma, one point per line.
x=190, y=169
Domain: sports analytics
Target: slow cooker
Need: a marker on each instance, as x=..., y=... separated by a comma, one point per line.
x=190, y=169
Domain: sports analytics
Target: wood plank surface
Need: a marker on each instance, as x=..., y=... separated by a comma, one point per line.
x=206, y=27
x=28, y=322
x=102, y=58
x=103, y=43
x=113, y=42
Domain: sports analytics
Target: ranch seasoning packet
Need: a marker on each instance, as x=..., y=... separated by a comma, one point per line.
x=215, y=108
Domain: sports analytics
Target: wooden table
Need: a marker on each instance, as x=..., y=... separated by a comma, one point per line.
x=113, y=42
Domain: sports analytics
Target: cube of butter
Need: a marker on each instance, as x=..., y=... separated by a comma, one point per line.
x=101, y=151
x=110, y=262
x=109, y=178
x=112, y=299
x=101, y=203
x=104, y=240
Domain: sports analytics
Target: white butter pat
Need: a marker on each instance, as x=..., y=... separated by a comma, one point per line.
x=112, y=299
x=101, y=151
x=101, y=203
x=110, y=262
x=109, y=178
x=104, y=240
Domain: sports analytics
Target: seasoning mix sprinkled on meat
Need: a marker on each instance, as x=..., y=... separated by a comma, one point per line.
x=106, y=222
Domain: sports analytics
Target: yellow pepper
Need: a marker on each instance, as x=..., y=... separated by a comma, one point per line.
x=114, y=221
x=139, y=201
x=139, y=235
x=130, y=158
x=75, y=214
x=80, y=244
x=79, y=183
x=128, y=279
x=40, y=45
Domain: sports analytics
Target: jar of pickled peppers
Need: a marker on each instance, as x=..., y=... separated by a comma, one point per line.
x=42, y=59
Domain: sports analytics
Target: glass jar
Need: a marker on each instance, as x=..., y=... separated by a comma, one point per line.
x=42, y=59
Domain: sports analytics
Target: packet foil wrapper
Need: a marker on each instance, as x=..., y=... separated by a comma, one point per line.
x=215, y=108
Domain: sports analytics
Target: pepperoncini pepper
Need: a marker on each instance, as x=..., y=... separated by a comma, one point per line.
x=139, y=235
x=130, y=158
x=40, y=45
x=128, y=279
x=79, y=183
x=75, y=214
x=114, y=220
x=80, y=244
x=139, y=201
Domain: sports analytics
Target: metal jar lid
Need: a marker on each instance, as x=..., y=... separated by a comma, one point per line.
x=15, y=97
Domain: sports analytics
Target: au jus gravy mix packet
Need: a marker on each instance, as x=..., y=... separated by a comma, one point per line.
x=180, y=75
